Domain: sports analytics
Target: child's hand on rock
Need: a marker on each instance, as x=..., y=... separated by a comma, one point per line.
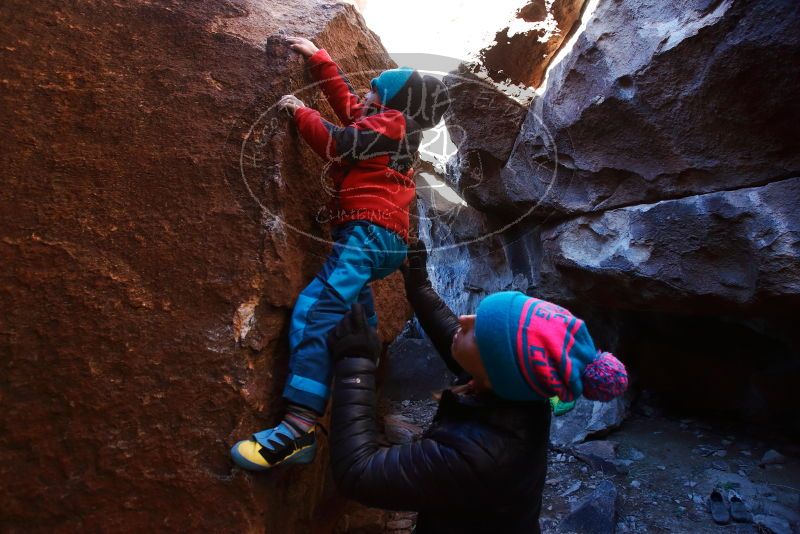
x=290, y=103
x=302, y=46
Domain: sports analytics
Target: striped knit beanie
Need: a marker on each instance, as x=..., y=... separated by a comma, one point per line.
x=423, y=98
x=533, y=350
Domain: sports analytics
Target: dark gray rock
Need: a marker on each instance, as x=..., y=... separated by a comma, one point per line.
x=572, y=489
x=601, y=455
x=772, y=457
x=739, y=248
x=659, y=174
x=480, y=116
x=595, y=513
x=415, y=370
x=483, y=123
x=772, y=524
x=587, y=419
x=720, y=465
x=466, y=258
x=660, y=100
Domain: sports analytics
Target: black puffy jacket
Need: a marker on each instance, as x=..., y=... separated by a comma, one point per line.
x=480, y=467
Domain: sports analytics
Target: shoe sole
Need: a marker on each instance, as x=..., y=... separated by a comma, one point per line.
x=303, y=456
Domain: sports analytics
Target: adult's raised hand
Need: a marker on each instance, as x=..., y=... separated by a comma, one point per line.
x=353, y=337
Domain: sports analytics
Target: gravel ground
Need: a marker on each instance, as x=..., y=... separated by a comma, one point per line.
x=667, y=468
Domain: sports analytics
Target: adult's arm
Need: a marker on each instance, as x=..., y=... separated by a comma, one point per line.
x=423, y=475
x=438, y=321
x=435, y=317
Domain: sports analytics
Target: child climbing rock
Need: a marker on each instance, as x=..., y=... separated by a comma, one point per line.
x=481, y=466
x=371, y=158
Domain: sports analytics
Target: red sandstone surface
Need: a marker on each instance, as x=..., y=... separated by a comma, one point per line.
x=145, y=290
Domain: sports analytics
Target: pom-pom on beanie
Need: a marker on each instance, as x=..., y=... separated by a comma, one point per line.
x=425, y=99
x=533, y=350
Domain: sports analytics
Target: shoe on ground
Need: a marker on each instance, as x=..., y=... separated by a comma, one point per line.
x=739, y=511
x=719, y=508
x=274, y=446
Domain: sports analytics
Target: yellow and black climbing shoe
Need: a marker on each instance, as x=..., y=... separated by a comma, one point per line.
x=275, y=446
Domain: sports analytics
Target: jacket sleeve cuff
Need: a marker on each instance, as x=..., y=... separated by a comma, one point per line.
x=352, y=366
x=299, y=111
x=318, y=58
x=303, y=113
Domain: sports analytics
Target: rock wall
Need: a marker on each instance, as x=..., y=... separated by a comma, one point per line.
x=661, y=101
x=522, y=51
x=156, y=224
x=653, y=187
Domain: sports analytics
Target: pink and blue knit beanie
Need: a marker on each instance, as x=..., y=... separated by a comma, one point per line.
x=533, y=350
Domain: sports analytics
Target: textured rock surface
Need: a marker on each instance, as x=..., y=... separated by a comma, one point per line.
x=465, y=254
x=145, y=294
x=414, y=370
x=662, y=100
x=595, y=513
x=588, y=419
x=601, y=456
x=720, y=251
x=480, y=116
x=523, y=57
x=483, y=123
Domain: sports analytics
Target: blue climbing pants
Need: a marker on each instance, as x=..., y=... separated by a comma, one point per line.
x=362, y=252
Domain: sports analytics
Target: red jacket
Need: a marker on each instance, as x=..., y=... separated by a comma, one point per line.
x=371, y=156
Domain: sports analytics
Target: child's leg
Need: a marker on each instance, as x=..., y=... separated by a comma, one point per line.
x=319, y=308
x=359, y=256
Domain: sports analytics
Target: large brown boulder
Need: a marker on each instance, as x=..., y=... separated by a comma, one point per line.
x=156, y=224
